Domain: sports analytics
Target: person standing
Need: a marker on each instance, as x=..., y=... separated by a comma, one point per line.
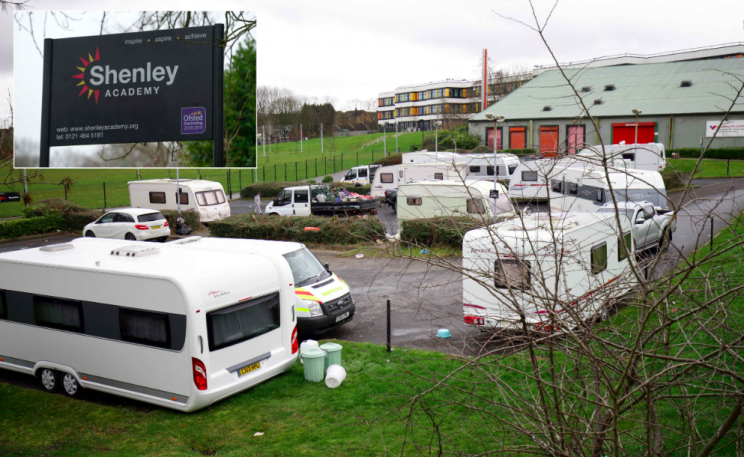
x=257, y=199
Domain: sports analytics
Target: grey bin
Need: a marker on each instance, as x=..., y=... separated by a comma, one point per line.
x=314, y=365
x=334, y=354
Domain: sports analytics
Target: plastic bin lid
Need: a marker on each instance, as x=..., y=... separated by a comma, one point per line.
x=313, y=354
x=331, y=347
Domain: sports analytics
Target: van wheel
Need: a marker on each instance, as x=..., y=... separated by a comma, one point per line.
x=49, y=380
x=90, y=234
x=274, y=214
x=130, y=237
x=70, y=385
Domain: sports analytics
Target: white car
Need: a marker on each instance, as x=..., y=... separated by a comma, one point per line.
x=134, y=224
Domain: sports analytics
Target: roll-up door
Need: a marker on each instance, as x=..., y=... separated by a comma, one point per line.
x=548, y=141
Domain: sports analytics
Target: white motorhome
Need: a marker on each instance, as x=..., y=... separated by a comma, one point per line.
x=532, y=267
x=392, y=176
x=491, y=166
x=165, y=325
x=579, y=188
x=651, y=156
x=451, y=198
x=363, y=174
x=205, y=197
x=323, y=299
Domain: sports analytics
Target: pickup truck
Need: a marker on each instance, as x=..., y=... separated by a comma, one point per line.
x=303, y=201
x=652, y=226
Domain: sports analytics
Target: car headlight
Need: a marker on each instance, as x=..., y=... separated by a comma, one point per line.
x=315, y=309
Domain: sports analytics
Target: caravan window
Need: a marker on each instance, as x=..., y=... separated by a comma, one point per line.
x=558, y=186
x=58, y=313
x=600, y=195
x=414, y=201
x=489, y=170
x=599, y=258
x=210, y=197
x=386, y=178
x=629, y=156
x=530, y=176
x=621, y=252
x=244, y=321
x=511, y=273
x=157, y=197
x=512, y=168
x=3, y=306
x=184, y=198
x=439, y=176
x=573, y=188
x=474, y=169
x=144, y=327
x=475, y=206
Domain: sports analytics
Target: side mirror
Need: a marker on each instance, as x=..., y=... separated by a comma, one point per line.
x=327, y=267
x=640, y=220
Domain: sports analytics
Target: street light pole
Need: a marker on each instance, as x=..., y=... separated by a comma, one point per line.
x=300, y=138
x=396, y=138
x=496, y=120
x=263, y=139
x=636, y=112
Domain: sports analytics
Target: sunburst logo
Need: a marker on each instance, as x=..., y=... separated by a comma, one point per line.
x=82, y=75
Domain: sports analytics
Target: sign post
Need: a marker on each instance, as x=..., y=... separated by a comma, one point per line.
x=143, y=87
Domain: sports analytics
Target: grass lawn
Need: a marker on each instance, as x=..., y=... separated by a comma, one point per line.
x=712, y=168
x=342, y=144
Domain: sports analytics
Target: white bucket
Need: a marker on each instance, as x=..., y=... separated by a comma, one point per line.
x=306, y=346
x=335, y=376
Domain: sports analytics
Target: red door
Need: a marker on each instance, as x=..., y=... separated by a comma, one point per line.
x=575, y=138
x=548, y=141
x=627, y=131
x=517, y=138
x=489, y=133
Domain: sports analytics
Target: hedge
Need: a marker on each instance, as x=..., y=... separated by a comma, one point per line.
x=190, y=217
x=267, y=189
x=332, y=230
x=443, y=231
x=75, y=217
x=394, y=159
x=719, y=153
x=32, y=226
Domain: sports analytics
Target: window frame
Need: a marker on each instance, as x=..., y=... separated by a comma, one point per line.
x=439, y=176
x=165, y=199
x=596, y=267
x=414, y=201
x=129, y=339
x=476, y=202
x=76, y=303
x=235, y=307
x=383, y=178
x=297, y=192
x=629, y=242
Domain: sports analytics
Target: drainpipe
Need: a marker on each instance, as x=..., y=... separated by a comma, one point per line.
x=671, y=131
x=530, y=134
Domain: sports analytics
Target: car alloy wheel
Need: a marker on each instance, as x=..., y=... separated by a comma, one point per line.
x=130, y=237
x=70, y=385
x=90, y=234
x=49, y=380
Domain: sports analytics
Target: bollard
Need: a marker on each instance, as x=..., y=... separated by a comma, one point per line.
x=389, y=347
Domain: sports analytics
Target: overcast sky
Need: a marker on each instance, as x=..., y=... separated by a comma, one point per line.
x=354, y=50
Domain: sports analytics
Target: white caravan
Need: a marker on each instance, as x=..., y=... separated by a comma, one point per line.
x=651, y=156
x=490, y=166
x=586, y=189
x=205, y=197
x=391, y=177
x=165, y=325
x=425, y=156
x=571, y=266
x=451, y=198
x=363, y=174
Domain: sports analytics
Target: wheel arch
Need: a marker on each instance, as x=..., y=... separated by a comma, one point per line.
x=57, y=367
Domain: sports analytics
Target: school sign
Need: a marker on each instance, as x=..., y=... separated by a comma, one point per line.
x=164, y=85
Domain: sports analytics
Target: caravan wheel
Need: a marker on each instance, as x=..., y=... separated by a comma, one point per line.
x=49, y=380
x=70, y=385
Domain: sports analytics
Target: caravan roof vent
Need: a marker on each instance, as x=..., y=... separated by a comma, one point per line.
x=685, y=83
x=598, y=101
x=57, y=247
x=609, y=87
x=135, y=251
x=586, y=89
x=547, y=108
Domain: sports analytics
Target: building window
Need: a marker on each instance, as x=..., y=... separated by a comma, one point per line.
x=475, y=206
x=157, y=197
x=144, y=327
x=414, y=201
x=386, y=178
x=599, y=258
x=58, y=313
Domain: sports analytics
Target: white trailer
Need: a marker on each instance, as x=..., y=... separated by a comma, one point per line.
x=569, y=268
x=579, y=188
x=205, y=197
x=392, y=176
x=491, y=166
x=451, y=198
x=651, y=156
x=169, y=326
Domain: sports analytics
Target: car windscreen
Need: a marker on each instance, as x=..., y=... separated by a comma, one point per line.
x=150, y=217
x=305, y=267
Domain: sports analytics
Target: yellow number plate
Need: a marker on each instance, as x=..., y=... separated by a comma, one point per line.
x=249, y=368
x=155, y=227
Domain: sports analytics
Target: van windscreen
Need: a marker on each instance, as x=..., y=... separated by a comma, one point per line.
x=305, y=266
x=242, y=322
x=150, y=217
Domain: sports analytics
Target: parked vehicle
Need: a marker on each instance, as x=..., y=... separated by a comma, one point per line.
x=360, y=175
x=652, y=226
x=529, y=264
x=491, y=166
x=303, y=201
x=133, y=224
x=391, y=177
x=578, y=188
x=651, y=156
x=205, y=197
x=391, y=198
x=323, y=300
x=425, y=156
x=174, y=327
x=451, y=198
